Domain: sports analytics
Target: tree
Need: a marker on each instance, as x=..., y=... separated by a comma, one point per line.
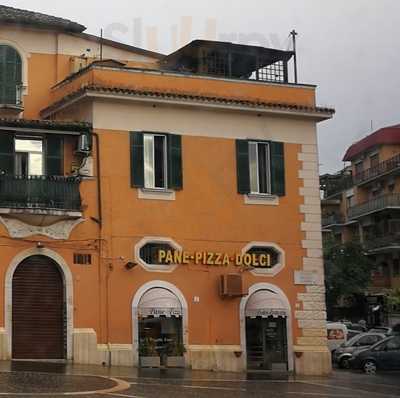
x=347, y=272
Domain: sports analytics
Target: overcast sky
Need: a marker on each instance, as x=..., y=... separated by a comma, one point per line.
x=349, y=48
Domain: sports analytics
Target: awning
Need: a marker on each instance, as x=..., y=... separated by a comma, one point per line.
x=265, y=303
x=159, y=302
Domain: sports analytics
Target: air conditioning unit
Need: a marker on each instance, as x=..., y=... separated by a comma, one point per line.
x=231, y=285
x=83, y=144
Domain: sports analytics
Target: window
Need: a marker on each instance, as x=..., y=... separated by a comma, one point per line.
x=10, y=75
x=268, y=258
x=147, y=253
x=374, y=160
x=260, y=175
x=396, y=267
x=359, y=167
x=351, y=201
x=28, y=156
x=260, y=167
x=156, y=161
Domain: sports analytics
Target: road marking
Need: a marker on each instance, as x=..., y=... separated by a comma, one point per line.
x=210, y=380
x=214, y=388
x=357, y=390
x=317, y=394
x=123, y=395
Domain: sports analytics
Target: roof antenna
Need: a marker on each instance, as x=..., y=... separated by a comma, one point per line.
x=101, y=44
x=293, y=33
x=372, y=126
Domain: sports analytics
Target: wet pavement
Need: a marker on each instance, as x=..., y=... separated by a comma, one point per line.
x=21, y=379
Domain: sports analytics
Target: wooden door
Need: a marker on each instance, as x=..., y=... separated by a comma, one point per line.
x=38, y=307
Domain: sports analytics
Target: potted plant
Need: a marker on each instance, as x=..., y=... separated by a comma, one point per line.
x=148, y=354
x=176, y=358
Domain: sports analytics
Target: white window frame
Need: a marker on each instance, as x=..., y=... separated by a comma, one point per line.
x=150, y=185
x=41, y=153
x=268, y=163
x=275, y=269
x=156, y=267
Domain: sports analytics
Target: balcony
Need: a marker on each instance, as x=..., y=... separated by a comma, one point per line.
x=333, y=219
x=335, y=186
x=40, y=195
x=391, y=201
x=382, y=243
x=384, y=168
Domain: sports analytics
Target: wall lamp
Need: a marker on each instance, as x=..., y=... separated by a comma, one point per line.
x=130, y=265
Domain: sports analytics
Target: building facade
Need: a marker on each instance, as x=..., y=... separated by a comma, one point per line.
x=362, y=204
x=157, y=210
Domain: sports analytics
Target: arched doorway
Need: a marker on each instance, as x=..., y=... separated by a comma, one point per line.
x=160, y=334
x=38, y=310
x=266, y=329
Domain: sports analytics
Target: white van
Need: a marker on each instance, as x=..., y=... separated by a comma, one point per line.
x=337, y=334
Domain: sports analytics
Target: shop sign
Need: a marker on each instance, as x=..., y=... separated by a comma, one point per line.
x=157, y=312
x=265, y=313
x=259, y=260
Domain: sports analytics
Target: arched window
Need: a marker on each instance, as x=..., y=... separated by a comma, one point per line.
x=10, y=76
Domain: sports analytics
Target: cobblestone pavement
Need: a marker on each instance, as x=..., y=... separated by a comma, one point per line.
x=56, y=380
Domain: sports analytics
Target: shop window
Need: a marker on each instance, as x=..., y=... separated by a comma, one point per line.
x=148, y=253
x=156, y=161
x=268, y=258
x=260, y=167
x=10, y=76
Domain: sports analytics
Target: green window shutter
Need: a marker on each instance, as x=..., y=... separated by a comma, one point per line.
x=242, y=166
x=175, y=178
x=137, y=160
x=10, y=74
x=6, y=153
x=277, y=168
x=54, y=155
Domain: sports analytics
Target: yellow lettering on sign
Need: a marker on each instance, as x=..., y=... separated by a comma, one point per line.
x=177, y=257
x=226, y=260
x=185, y=258
x=238, y=260
x=197, y=257
x=161, y=255
x=169, y=258
x=218, y=259
x=210, y=260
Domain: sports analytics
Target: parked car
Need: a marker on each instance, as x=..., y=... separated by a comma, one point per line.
x=351, y=333
x=343, y=354
x=382, y=355
x=337, y=335
x=355, y=326
x=381, y=329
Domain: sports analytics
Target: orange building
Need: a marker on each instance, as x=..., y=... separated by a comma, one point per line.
x=157, y=210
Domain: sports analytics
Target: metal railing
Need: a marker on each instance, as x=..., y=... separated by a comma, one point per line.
x=334, y=187
x=380, y=242
x=333, y=219
x=374, y=205
x=40, y=192
x=382, y=168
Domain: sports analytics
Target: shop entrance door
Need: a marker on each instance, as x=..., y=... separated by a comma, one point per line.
x=160, y=338
x=266, y=343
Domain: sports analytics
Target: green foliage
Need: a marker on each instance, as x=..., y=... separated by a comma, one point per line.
x=147, y=347
x=347, y=271
x=394, y=298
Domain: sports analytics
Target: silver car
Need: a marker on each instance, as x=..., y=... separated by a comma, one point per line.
x=343, y=354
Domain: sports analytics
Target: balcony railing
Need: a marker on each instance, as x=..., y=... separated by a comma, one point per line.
x=40, y=192
x=382, y=242
x=333, y=219
x=339, y=185
x=382, y=168
x=377, y=204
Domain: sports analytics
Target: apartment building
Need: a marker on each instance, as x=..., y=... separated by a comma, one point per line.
x=361, y=203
